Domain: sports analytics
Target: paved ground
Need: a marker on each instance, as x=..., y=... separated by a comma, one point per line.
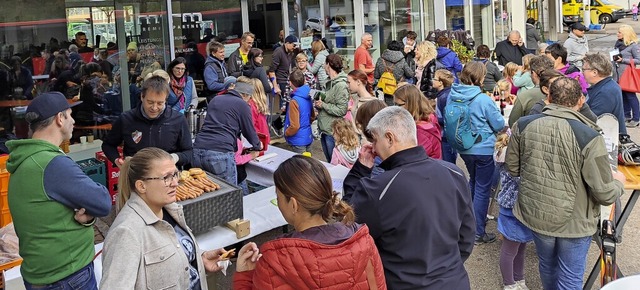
x=483, y=266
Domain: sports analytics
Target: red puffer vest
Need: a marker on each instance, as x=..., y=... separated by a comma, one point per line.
x=290, y=263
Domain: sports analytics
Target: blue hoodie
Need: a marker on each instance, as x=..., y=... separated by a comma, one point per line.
x=450, y=61
x=485, y=117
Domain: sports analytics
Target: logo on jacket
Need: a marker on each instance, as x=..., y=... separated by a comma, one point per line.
x=136, y=136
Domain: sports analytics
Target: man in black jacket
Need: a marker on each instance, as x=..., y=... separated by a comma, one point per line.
x=151, y=124
x=241, y=56
x=419, y=211
x=511, y=49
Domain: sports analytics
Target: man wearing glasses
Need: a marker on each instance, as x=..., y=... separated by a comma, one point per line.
x=240, y=57
x=281, y=67
x=605, y=95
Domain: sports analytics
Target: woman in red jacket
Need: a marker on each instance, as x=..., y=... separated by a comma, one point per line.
x=327, y=250
x=427, y=128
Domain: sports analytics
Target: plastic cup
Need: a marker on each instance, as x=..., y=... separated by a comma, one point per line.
x=83, y=140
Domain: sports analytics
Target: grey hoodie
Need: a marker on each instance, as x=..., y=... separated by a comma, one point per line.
x=577, y=48
x=394, y=60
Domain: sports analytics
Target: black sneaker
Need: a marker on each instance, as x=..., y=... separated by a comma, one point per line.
x=487, y=238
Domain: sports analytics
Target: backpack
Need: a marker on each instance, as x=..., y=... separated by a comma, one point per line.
x=457, y=125
x=387, y=82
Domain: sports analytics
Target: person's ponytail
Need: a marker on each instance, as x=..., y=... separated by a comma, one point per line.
x=124, y=185
x=337, y=210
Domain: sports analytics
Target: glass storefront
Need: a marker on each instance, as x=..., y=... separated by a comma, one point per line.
x=477, y=16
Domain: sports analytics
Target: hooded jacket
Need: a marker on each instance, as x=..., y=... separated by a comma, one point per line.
x=169, y=132
x=298, y=132
x=430, y=137
x=215, y=72
x=343, y=156
x=575, y=75
x=450, y=60
x=395, y=62
x=493, y=75
x=564, y=144
x=533, y=37
x=416, y=194
x=577, y=48
x=485, y=117
x=318, y=70
x=44, y=189
x=346, y=259
x=335, y=103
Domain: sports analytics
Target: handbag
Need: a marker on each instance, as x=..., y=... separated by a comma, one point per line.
x=630, y=79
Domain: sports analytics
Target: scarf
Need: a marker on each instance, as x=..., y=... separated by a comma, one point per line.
x=178, y=89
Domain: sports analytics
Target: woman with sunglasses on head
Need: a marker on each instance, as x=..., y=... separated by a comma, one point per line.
x=327, y=250
x=149, y=245
x=183, y=90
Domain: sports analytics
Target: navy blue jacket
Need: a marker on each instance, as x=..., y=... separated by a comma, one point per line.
x=605, y=96
x=169, y=132
x=228, y=115
x=420, y=215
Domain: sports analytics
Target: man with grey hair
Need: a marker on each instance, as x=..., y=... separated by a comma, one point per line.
x=52, y=202
x=228, y=116
x=362, y=60
x=605, y=95
x=561, y=206
x=419, y=211
x=511, y=49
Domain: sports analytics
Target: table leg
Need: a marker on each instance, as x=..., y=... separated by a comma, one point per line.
x=595, y=272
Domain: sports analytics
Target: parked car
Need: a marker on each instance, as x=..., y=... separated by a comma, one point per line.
x=314, y=23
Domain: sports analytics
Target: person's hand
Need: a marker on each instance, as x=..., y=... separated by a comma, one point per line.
x=408, y=49
x=248, y=257
x=619, y=59
x=210, y=260
x=277, y=89
x=367, y=155
x=254, y=154
x=318, y=104
x=520, y=42
x=618, y=176
x=82, y=216
x=120, y=161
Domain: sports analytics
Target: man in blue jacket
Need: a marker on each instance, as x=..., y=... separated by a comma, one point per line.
x=419, y=211
x=605, y=95
x=216, y=77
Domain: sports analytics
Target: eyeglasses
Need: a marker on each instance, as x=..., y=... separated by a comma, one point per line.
x=180, y=68
x=168, y=179
x=587, y=68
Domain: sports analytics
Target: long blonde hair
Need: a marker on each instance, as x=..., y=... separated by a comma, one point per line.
x=345, y=134
x=525, y=62
x=629, y=36
x=509, y=70
x=259, y=97
x=501, y=141
x=425, y=52
x=134, y=169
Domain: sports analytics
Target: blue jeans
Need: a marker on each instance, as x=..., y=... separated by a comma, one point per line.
x=561, y=261
x=300, y=149
x=481, y=169
x=220, y=164
x=328, y=143
x=83, y=279
x=449, y=154
x=631, y=105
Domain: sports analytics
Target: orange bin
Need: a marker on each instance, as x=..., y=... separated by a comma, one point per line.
x=5, y=215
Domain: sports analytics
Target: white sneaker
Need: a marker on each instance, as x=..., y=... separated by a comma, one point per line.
x=521, y=285
x=511, y=287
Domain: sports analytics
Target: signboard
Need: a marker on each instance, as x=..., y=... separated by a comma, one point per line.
x=305, y=42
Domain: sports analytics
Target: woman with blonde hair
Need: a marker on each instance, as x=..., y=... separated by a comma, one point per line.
x=427, y=127
x=627, y=44
x=426, y=67
x=327, y=249
x=320, y=53
x=259, y=108
x=140, y=251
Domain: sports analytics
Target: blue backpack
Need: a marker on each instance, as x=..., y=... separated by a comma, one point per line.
x=457, y=125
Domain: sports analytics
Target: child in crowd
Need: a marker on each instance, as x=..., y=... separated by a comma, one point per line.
x=522, y=78
x=442, y=84
x=259, y=111
x=243, y=157
x=634, y=11
x=302, y=60
x=428, y=132
x=516, y=235
x=347, y=146
x=510, y=70
x=503, y=87
x=299, y=115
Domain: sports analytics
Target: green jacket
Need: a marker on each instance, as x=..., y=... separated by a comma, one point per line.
x=524, y=103
x=44, y=189
x=335, y=103
x=564, y=170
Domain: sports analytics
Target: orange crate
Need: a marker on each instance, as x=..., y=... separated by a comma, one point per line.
x=5, y=218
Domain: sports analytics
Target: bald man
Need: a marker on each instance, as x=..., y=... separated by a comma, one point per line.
x=362, y=59
x=511, y=49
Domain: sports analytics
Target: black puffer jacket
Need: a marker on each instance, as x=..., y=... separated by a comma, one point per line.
x=426, y=86
x=394, y=61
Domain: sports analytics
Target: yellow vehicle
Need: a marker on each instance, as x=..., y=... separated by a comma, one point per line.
x=602, y=11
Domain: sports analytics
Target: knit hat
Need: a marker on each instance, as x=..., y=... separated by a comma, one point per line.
x=132, y=46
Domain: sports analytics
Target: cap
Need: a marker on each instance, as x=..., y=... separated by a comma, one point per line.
x=579, y=26
x=244, y=88
x=291, y=39
x=49, y=104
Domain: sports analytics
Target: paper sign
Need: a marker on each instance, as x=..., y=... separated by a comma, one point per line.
x=613, y=53
x=229, y=48
x=305, y=42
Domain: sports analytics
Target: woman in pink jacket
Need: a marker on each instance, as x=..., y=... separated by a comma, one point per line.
x=428, y=130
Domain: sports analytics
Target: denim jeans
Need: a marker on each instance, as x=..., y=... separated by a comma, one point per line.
x=245, y=188
x=481, y=169
x=449, y=154
x=83, y=279
x=328, y=143
x=300, y=149
x=631, y=105
x=561, y=261
x=220, y=164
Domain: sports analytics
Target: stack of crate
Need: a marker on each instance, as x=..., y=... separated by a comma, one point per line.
x=5, y=215
x=113, y=172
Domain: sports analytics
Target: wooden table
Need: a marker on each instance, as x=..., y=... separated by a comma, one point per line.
x=632, y=173
x=21, y=103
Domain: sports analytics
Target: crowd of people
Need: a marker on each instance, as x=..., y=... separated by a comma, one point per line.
x=400, y=138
